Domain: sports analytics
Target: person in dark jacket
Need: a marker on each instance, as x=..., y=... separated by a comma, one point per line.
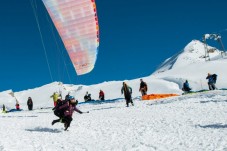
x=30, y=103
x=58, y=111
x=127, y=90
x=211, y=81
x=67, y=108
x=143, y=87
x=186, y=87
x=87, y=97
x=4, y=109
x=101, y=95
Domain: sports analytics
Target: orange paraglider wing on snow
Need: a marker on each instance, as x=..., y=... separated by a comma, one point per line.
x=157, y=96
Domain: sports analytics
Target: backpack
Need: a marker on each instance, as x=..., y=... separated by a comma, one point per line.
x=214, y=76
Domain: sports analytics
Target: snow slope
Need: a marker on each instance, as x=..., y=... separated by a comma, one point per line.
x=188, y=122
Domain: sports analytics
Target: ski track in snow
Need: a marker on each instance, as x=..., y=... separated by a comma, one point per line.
x=188, y=122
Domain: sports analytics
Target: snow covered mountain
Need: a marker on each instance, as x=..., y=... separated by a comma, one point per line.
x=190, y=64
x=186, y=122
x=193, y=53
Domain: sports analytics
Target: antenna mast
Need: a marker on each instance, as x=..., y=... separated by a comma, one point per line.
x=216, y=37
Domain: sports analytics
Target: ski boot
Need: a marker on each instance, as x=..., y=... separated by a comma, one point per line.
x=66, y=125
x=55, y=121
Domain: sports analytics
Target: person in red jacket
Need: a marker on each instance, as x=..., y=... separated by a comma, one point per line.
x=101, y=95
x=17, y=105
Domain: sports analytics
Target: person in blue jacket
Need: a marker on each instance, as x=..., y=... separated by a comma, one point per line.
x=186, y=87
x=212, y=78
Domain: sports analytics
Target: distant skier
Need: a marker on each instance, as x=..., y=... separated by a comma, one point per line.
x=66, y=109
x=212, y=78
x=127, y=90
x=101, y=95
x=55, y=98
x=186, y=87
x=30, y=103
x=143, y=87
x=4, y=109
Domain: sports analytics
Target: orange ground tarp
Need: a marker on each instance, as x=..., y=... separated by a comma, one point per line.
x=157, y=96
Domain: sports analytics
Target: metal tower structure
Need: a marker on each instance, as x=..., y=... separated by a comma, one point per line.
x=215, y=37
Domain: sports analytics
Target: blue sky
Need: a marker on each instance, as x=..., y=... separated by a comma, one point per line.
x=135, y=38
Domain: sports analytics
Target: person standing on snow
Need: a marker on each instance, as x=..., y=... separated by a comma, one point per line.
x=4, y=109
x=30, y=103
x=127, y=90
x=211, y=81
x=101, y=95
x=143, y=87
x=17, y=105
x=55, y=98
x=68, y=108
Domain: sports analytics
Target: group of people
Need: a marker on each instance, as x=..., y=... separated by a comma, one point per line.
x=127, y=90
x=87, y=96
x=64, y=109
x=212, y=78
x=29, y=104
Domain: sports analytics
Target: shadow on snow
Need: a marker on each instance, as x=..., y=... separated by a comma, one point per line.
x=215, y=126
x=213, y=101
x=40, y=129
x=10, y=116
x=96, y=102
x=106, y=108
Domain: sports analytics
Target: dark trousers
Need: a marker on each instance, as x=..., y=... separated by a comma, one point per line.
x=101, y=98
x=128, y=100
x=211, y=86
x=58, y=113
x=66, y=120
x=30, y=107
x=143, y=92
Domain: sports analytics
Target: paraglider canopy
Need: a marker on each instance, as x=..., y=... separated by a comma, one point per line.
x=77, y=24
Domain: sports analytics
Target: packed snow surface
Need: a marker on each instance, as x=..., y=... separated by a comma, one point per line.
x=188, y=122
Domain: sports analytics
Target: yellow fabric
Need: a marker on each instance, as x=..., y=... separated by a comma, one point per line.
x=55, y=97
